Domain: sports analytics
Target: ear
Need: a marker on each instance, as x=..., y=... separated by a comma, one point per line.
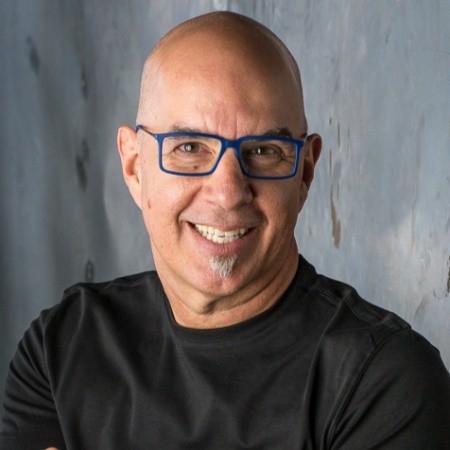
x=312, y=149
x=131, y=164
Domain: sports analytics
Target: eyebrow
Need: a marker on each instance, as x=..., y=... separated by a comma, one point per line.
x=276, y=132
x=279, y=132
x=284, y=132
x=184, y=129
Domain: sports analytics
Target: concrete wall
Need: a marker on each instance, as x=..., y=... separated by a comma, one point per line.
x=376, y=79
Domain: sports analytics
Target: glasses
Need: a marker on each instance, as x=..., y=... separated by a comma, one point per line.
x=198, y=154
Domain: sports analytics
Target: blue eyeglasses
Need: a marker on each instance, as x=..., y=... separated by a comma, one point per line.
x=198, y=154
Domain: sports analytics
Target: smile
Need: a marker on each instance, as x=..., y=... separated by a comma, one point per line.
x=219, y=236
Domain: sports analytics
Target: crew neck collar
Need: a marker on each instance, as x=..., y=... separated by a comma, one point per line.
x=303, y=278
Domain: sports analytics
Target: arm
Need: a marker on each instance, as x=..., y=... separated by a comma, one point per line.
x=30, y=418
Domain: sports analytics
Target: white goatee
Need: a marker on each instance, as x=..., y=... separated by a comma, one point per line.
x=222, y=265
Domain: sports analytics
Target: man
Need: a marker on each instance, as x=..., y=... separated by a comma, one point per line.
x=235, y=341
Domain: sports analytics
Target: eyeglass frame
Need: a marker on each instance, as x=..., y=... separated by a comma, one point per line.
x=225, y=145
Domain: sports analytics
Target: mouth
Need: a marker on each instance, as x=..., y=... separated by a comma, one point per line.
x=220, y=236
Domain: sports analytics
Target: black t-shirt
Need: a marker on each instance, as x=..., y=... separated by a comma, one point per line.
x=108, y=368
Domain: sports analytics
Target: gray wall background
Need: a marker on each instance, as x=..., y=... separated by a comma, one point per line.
x=376, y=78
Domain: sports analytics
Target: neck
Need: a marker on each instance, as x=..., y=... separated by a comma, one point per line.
x=207, y=311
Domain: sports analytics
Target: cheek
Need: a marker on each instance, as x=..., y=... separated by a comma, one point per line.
x=290, y=199
x=281, y=207
x=165, y=197
x=150, y=195
x=298, y=195
x=153, y=201
x=302, y=196
x=156, y=201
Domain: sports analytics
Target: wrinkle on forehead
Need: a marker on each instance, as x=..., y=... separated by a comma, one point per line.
x=220, y=36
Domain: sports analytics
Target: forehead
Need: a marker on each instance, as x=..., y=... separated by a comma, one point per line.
x=223, y=76
x=226, y=49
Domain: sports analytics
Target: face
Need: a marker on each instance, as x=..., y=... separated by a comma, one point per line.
x=228, y=94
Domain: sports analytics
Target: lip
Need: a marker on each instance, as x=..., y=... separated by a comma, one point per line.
x=232, y=247
x=219, y=236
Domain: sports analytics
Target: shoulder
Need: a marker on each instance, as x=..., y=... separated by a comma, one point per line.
x=90, y=311
x=121, y=293
x=114, y=289
x=398, y=398
x=341, y=306
x=386, y=382
x=369, y=338
x=90, y=320
x=349, y=324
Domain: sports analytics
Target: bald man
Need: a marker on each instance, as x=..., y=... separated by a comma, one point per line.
x=234, y=341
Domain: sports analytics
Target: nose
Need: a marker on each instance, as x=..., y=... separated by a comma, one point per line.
x=227, y=186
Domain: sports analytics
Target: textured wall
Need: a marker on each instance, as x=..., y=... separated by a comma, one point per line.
x=376, y=78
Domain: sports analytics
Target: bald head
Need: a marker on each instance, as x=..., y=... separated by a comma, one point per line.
x=223, y=46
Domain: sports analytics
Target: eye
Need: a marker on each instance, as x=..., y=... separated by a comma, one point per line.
x=264, y=150
x=189, y=147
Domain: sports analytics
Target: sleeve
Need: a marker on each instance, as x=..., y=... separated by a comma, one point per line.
x=402, y=400
x=30, y=420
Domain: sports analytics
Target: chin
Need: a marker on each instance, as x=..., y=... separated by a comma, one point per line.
x=219, y=284
x=222, y=265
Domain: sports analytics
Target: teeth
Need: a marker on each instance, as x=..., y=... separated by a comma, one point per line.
x=218, y=236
